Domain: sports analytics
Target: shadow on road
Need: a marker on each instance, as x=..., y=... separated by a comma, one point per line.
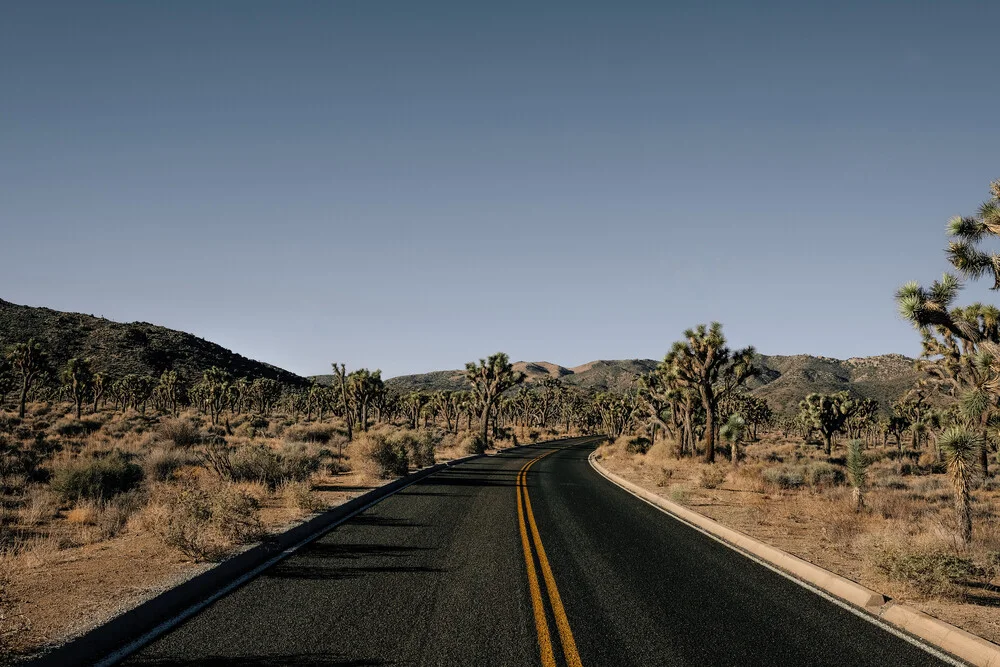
x=296, y=660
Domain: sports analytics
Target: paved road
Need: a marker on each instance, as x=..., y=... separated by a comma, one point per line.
x=439, y=574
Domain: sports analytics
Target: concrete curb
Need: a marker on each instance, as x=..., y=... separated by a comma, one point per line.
x=945, y=636
x=114, y=640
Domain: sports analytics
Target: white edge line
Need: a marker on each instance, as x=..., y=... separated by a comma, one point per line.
x=120, y=654
x=874, y=620
x=136, y=644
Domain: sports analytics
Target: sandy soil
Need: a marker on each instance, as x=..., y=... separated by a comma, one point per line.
x=59, y=594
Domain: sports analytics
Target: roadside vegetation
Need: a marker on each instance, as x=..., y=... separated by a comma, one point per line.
x=187, y=471
x=901, y=497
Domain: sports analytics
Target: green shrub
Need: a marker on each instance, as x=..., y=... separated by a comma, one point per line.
x=638, y=445
x=930, y=573
x=315, y=433
x=824, y=475
x=783, y=477
x=387, y=455
x=419, y=446
x=259, y=463
x=97, y=478
x=476, y=445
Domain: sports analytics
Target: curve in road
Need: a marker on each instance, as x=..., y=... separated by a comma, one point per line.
x=475, y=564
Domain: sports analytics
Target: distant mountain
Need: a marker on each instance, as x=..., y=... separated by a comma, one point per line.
x=119, y=349
x=784, y=382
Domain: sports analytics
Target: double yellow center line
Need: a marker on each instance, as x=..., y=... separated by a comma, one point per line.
x=558, y=612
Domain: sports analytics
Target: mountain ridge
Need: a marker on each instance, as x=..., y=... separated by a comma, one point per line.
x=120, y=348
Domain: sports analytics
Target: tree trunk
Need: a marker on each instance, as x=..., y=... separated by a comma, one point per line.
x=24, y=399
x=709, y=437
x=963, y=506
x=484, y=431
x=828, y=443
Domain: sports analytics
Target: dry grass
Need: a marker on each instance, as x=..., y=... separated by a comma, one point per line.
x=139, y=499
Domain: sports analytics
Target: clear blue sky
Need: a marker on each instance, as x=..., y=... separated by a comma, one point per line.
x=412, y=185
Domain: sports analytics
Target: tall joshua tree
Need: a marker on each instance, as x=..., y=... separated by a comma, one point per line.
x=341, y=373
x=100, y=385
x=961, y=446
x=962, y=344
x=703, y=362
x=827, y=413
x=490, y=378
x=29, y=361
x=78, y=379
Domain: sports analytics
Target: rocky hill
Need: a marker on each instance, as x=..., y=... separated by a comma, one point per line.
x=784, y=382
x=118, y=349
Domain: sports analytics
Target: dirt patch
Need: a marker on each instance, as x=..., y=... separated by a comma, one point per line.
x=57, y=593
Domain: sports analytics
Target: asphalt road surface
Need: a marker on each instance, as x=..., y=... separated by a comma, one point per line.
x=526, y=558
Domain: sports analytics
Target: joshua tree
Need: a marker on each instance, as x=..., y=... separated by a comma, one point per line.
x=616, y=411
x=857, y=472
x=413, y=406
x=446, y=403
x=827, y=414
x=365, y=386
x=7, y=383
x=167, y=391
x=215, y=387
x=704, y=363
x=264, y=394
x=733, y=432
x=490, y=378
x=961, y=447
x=78, y=380
x=100, y=385
x=341, y=373
x=29, y=361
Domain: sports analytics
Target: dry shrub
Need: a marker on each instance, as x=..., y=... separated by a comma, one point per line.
x=315, y=433
x=711, y=477
x=300, y=495
x=180, y=431
x=260, y=463
x=40, y=506
x=204, y=523
x=665, y=475
x=680, y=494
x=96, y=477
x=84, y=514
x=161, y=464
x=72, y=427
x=637, y=445
x=104, y=519
x=934, y=572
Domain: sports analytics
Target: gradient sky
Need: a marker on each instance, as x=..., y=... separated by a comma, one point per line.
x=412, y=185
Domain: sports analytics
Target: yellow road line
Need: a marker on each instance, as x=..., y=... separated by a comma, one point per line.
x=558, y=611
x=541, y=626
